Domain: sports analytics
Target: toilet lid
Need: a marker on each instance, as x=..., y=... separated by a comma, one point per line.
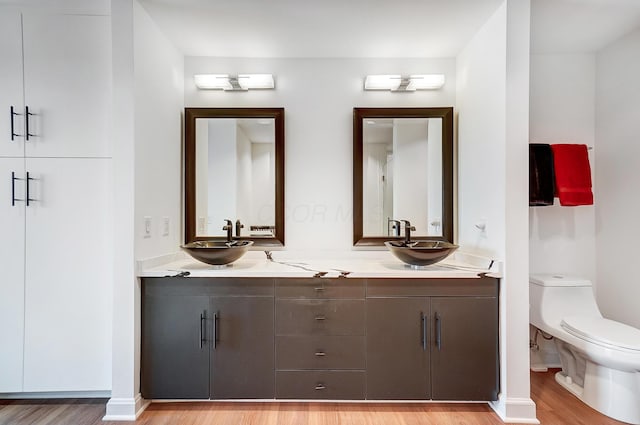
x=603, y=331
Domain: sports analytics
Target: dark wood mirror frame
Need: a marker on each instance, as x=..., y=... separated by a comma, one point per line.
x=191, y=114
x=361, y=114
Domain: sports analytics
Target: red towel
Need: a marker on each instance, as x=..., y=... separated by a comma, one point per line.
x=573, y=174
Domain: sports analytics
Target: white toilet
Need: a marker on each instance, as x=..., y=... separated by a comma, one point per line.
x=600, y=358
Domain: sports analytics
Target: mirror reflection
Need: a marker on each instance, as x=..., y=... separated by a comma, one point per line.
x=236, y=159
x=402, y=170
x=402, y=175
x=234, y=175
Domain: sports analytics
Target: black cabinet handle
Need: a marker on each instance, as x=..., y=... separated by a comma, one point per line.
x=13, y=131
x=28, y=195
x=423, y=331
x=216, y=329
x=27, y=114
x=203, y=317
x=438, y=331
x=320, y=387
x=13, y=189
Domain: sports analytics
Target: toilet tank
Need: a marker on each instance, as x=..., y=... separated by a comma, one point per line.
x=554, y=296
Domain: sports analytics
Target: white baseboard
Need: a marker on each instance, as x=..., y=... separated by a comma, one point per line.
x=515, y=410
x=125, y=409
x=56, y=394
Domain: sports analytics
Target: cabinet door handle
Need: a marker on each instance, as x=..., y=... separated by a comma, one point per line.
x=438, y=331
x=28, y=194
x=203, y=317
x=13, y=189
x=320, y=387
x=13, y=131
x=423, y=331
x=27, y=114
x=320, y=354
x=216, y=329
x=320, y=318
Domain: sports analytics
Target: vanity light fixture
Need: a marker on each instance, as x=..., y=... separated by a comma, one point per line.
x=399, y=83
x=241, y=82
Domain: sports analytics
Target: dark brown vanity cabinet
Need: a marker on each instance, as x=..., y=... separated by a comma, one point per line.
x=320, y=338
x=432, y=339
x=207, y=338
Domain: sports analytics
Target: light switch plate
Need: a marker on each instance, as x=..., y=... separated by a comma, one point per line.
x=166, y=224
x=146, y=231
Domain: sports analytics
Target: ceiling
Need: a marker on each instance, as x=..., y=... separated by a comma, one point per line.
x=580, y=26
x=377, y=28
x=320, y=28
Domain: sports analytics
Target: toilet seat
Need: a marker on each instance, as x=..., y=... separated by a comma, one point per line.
x=604, y=332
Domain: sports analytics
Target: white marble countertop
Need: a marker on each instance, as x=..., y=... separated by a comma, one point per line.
x=358, y=264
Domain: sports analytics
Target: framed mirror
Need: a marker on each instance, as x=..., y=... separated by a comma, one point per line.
x=402, y=170
x=234, y=170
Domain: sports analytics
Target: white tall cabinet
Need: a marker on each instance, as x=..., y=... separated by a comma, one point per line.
x=55, y=249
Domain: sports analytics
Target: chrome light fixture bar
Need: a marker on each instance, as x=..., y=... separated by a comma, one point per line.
x=241, y=82
x=396, y=82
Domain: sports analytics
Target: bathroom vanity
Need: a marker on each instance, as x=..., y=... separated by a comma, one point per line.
x=260, y=330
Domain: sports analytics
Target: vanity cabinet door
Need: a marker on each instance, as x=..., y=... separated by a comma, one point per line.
x=175, y=347
x=464, y=359
x=242, y=347
x=398, y=349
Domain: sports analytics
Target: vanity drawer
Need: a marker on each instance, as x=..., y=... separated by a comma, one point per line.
x=320, y=317
x=438, y=287
x=320, y=288
x=321, y=384
x=320, y=352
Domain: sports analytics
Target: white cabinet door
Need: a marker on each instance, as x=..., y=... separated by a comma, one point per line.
x=68, y=275
x=12, y=274
x=67, y=79
x=11, y=84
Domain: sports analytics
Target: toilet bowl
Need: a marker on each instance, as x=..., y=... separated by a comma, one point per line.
x=600, y=358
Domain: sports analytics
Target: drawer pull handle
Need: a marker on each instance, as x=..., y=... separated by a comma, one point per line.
x=319, y=288
x=320, y=318
x=320, y=353
x=320, y=387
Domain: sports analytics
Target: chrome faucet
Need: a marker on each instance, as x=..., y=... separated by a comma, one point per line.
x=407, y=231
x=238, y=227
x=393, y=227
x=229, y=228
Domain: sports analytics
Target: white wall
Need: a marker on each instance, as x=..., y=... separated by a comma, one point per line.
x=263, y=183
x=318, y=96
x=616, y=179
x=434, y=177
x=147, y=103
x=158, y=71
x=222, y=175
x=492, y=104
x=244, y=177
x=410, y=149
x=562, y=110
x=374, y=160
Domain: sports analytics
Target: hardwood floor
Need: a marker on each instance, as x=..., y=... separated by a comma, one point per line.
x=555, y=406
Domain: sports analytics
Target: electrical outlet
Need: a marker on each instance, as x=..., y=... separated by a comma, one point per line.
x=166, y=224
x=146, y=232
